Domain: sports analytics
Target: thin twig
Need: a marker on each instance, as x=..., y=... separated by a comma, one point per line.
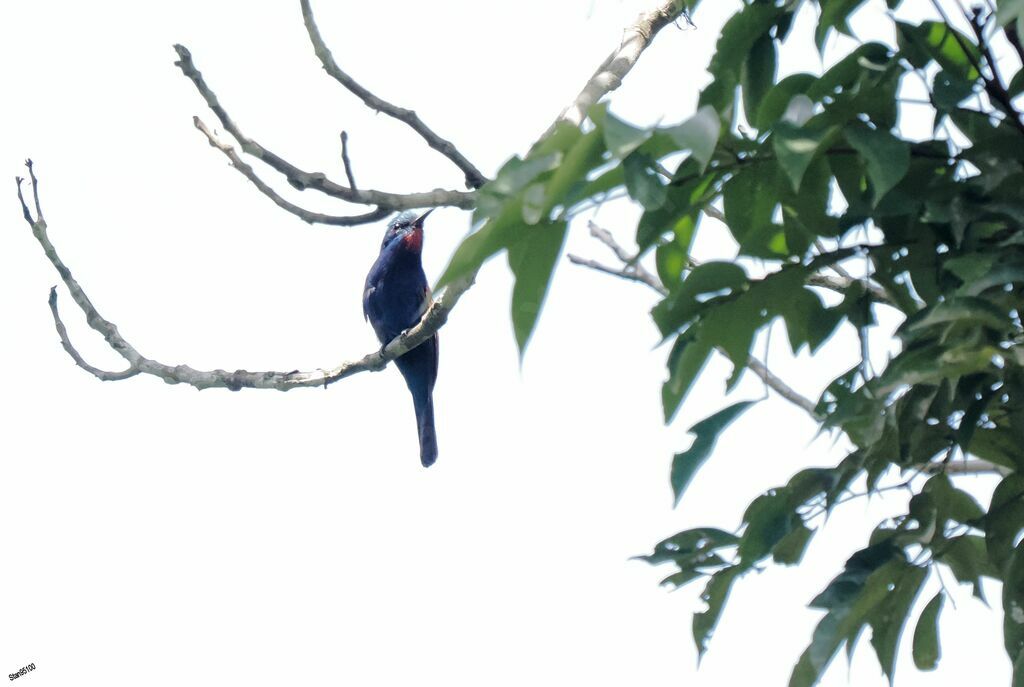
x=35, y=189
x=301, y=213
x=629, y=272
x=474, y=179
x=605, y=237
x=781, y=388
x=633, y=271
x=62, y=332
x=713, y=212
x=995, y=89
x=347, y=162
x=301, y=179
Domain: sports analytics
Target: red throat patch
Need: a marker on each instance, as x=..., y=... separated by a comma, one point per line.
x=414, y=240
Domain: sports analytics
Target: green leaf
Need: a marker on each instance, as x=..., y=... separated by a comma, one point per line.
x=705, y=432
x=1016, y=86
x=533, y=203
x=749, y=200
x=736, y=41
x=926, y=635
x=621, y=138
x=795, y=147
x=698, y=134
x=769, y=518
x=1008, y=11
x=864, y=62
x=758, y=74
x=584, y=155
x=684, y=302
x=889, y=618
x=887, y=157
x=691, y=548
x=1004, y=521
x=643, y=185
x=949, y=90
x=1013, y=612
x=681, y=210
x=834, y=14
x=790, y=548
x=715, y=594
x=777, y=100
x=670, y=260
x=939, y=42
x=731, y=326
x=679, y=579
x=968, y=560
x=687, y=359
x=475, y=249
x=532, y=260
x=999, y=446
x=516, y=174
x=849, y=599
x=965, y=309
x=952, y=503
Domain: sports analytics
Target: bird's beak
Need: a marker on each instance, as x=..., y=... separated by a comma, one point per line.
x=419, y=220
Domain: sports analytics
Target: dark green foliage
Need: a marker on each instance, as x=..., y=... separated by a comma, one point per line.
x=938, y=225
x=705, y=432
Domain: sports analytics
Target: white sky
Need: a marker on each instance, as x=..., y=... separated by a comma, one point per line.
x=155, y=535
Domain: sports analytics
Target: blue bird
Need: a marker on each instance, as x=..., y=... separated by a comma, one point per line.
x=395, y=297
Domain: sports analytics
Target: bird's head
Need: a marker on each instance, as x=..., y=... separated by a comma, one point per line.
x=407, y=227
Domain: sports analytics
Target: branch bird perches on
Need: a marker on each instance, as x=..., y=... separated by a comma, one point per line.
x=636, y=38
x=608, y=77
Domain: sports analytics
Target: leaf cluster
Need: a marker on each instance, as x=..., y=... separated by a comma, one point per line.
x=811, y=173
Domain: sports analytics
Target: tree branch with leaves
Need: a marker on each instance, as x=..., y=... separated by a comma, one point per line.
x=835, y=215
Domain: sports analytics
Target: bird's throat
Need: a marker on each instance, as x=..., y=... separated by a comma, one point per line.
x=413, y=241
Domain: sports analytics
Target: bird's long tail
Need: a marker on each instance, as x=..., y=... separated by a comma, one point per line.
x=428, y=438
x=419, y=367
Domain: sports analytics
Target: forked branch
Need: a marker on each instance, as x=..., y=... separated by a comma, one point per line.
x=435, y=316
x=632, y=270
x=474, y=179
x=433, y=319
x=302, y=213
x=318, y=181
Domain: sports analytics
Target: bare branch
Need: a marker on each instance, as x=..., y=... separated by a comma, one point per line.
x=62, y=332
x=605, y=237
x=301, y=179
x=974, y=466
x=633, y=271
x=629, y=272
x=842, y=284
x=432, y=320
x=780, y=387
x=609, y=75
x=35, y=189
x=301, y=213
x=630, y=263
x=346, y=161
x=993, y=86
x=474, y=179
x=712, y=211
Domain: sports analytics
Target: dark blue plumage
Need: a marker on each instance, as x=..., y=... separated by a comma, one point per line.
x=394, y=298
